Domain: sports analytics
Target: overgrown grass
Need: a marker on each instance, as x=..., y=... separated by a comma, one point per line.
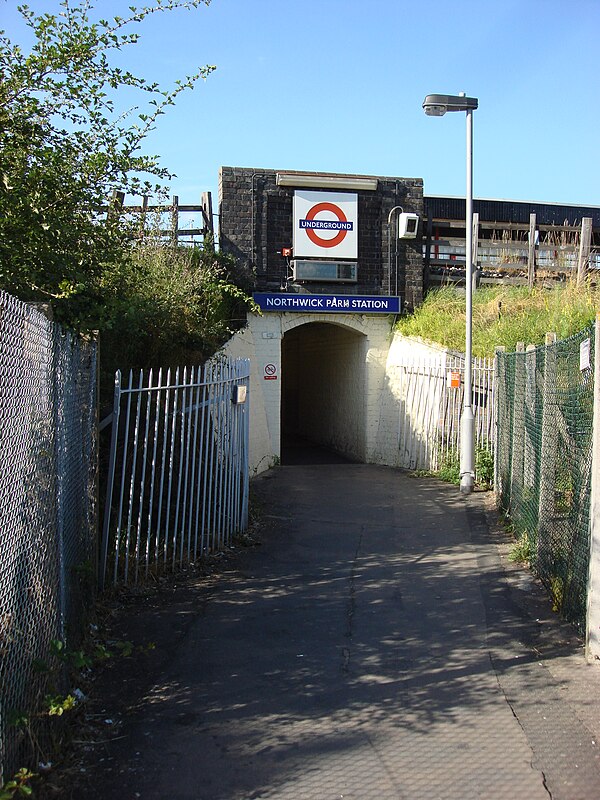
x=502, y=316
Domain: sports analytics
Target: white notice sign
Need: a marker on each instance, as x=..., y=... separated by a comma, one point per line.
x=584, y=355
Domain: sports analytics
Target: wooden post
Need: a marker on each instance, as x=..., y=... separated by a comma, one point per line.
x=116, y=204
x=174, y=219
x=584, y=250
x=207, y=212
x=547, y=450
x=427, y=270
x=142, y=225
x=593, y=597
x=531, y=252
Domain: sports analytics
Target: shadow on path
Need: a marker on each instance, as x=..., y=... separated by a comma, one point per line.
x=373, y=646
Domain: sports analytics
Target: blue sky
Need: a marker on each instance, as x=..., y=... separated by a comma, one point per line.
x=337, y=86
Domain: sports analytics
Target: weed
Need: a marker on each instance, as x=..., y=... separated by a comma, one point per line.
x=449, y=468
x=57, y=705
x=18, y=786
x=41, y=726
x=484, y=467
x=521, y=552
x=557, y=592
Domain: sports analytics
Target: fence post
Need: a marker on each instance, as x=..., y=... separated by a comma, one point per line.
x=143, y=215
x=518, y=434
x=207, y=212
x=116, y=204
x=110, y=480
x=531, y=252
x=61, y=471
x=530, y=413
x=428, y=238
x=593, y=597
x=548, y=446
x=95, y=480
x=499, y=409
x=584, y=249
x=174, y=219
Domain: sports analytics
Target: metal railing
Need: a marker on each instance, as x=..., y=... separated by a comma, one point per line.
x=178, y=468
x=431, y=404
x=48, y=472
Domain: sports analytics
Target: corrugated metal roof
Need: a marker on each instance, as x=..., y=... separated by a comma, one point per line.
x=511, y=211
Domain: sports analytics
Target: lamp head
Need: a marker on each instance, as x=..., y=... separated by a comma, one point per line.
x=433, y=110
x=436, y=105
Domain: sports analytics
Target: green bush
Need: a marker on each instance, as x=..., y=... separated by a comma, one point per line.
x=66, y=146
x=169, y=306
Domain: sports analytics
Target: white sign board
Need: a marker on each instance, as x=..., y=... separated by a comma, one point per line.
x=325, y=225
x=584, y=354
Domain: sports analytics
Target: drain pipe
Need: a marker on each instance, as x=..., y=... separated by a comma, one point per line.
x=253, y=265
x=389, y=223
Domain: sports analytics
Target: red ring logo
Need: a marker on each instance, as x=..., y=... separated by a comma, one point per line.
x=312, y=234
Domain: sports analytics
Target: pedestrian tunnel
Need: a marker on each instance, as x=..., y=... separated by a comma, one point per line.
x=323, y=388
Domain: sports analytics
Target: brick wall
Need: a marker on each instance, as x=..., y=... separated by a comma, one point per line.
x=255, y=223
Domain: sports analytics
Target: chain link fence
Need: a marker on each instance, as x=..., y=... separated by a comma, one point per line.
x=544, y=462
x=48, y=472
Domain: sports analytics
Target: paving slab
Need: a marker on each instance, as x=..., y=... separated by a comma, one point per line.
x=378, y=644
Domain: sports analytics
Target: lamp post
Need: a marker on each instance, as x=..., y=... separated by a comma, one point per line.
x=436, y=105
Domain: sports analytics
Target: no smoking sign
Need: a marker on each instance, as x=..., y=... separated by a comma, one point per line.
x=325, y=224
x=270, y=372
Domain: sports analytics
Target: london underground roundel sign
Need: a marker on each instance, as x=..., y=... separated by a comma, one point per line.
x=325, y=224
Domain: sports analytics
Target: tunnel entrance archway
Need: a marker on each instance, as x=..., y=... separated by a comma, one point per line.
x=323, y=390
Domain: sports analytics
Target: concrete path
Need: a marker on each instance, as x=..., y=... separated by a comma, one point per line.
x=377, y=645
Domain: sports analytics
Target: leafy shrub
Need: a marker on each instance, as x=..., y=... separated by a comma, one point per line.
x=66, y=145
x=169, y=306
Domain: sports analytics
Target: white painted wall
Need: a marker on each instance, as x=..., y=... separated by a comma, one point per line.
x=403, y=427
x=344, y=408
x=346, y=376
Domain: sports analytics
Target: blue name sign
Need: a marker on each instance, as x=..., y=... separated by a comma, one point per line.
x=327, y=303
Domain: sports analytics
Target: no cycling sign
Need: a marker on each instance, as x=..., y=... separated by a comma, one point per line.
x=325, y=224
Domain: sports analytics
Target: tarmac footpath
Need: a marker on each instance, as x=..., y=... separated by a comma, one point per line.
x=378, y=645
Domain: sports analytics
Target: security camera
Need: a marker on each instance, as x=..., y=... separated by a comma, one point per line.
x=408, y=225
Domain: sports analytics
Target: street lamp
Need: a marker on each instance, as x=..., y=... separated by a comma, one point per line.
x=436, y=105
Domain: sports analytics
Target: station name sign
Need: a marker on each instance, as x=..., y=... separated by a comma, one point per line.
x=327, y=303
